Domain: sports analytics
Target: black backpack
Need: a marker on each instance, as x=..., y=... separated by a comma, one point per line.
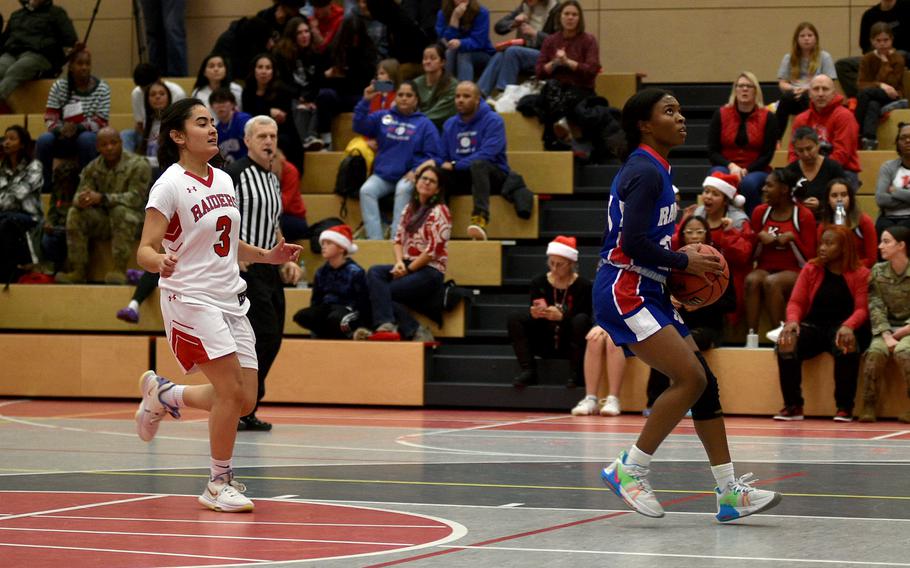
x=352, y=173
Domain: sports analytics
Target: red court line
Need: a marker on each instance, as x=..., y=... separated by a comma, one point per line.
x=558, y=527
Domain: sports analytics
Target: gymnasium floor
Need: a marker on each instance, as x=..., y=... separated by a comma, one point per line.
x=347, y=487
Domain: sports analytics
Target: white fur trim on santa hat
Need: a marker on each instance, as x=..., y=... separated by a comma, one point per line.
x=728, y=190
x=338, y=239
x=562, y=250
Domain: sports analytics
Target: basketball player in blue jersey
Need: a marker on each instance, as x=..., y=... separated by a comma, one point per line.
x=632, y=304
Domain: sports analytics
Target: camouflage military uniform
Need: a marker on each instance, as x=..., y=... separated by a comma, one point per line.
x=889, y=309
x=118, y=217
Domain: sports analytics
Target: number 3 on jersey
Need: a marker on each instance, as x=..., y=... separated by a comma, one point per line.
x=223, y=246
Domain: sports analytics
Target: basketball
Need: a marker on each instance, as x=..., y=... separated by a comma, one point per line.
x=694, y=291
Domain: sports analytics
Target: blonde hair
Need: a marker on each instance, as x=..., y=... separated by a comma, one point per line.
x=759, y=99
x=796, y=53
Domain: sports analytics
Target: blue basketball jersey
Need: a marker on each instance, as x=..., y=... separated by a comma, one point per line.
x=646, y=171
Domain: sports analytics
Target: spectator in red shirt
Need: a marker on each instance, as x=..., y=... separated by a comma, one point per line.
x=325, y=23
x=293, y=211
x=860, y=224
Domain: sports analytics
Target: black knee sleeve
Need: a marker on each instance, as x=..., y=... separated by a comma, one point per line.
x=707, y=406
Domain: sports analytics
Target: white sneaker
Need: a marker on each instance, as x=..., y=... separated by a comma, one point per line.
x=610, y=406
x=630, y=483
x=226, y=497
x=585, y=407
x=740, y=499
x=151, y=409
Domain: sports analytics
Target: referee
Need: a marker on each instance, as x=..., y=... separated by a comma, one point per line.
x=259, y=201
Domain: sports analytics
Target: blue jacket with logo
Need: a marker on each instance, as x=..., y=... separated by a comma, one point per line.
x=405, y=141
x=481, y=138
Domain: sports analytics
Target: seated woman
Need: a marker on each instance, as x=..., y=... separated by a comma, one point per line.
x=406, y=140
x=889, y=312
x=78, y=106
x=742, y=138
x=828, y=312
x=805, y=60
x=157, y=99
x=814, y=170
x=341, y=304
x=559, y=316
x=892, y=188
x=20, y=203
x=436, y=86
x=421, y=255
x=880, y=83
x=705, y=324
x=569, y=61
x=784, y=239
x=301, y=68
x=215, y=72
x=532, y=21
x=464, y=27
x=600, y=349
x=864, y=239
x=731, y=233
x=264, y=93
x=350, y=67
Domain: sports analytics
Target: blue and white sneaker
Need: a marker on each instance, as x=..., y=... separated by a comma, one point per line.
x=739, y=499
x=151, y=409
x=630, y=483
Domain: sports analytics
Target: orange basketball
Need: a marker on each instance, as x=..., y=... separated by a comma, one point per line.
x=694, y=291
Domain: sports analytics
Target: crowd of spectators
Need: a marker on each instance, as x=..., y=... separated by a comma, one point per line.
x=422, y=79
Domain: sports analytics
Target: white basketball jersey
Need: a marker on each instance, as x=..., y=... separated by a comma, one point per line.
x=203, y=234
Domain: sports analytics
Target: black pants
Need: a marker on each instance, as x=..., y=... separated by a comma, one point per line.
x=812, y=341
x=868, y=110
x=787, y=106
x=705, y=338
x=147, y=284
x=265, y=292
x=540, y=337
x=329, y=321
x=480, y=180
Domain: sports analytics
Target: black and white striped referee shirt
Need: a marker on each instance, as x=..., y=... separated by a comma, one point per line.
x=259, y=200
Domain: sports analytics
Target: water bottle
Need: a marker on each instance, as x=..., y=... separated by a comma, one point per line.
x=752, y=339
x=840, y=214
x=302, y=283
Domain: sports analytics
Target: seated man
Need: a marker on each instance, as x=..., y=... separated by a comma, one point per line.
x=109, y=204
x=143, y=76
x=33, y=44
x=474, y=151
x=837, y=130
x=230, y=124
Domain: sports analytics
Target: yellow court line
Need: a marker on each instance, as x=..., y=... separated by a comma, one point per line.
x=483, y=485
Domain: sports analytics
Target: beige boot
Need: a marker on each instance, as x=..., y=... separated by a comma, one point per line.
x=873, y=369
x=75, y=276
x=115, y=277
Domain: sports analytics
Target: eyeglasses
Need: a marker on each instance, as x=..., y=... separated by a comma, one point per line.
x=695, y=231
x=429, y=180
x=903, y=138
x=745, y=86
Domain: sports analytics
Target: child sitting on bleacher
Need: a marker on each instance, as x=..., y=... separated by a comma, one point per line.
x=880, y=84
x=340, y=303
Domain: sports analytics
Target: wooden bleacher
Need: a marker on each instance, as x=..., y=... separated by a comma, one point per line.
x=544, y=172
x=31, y=96
x=504, y=223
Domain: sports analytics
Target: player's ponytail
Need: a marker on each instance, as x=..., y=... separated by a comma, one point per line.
x=173, y=118
x=638, y=109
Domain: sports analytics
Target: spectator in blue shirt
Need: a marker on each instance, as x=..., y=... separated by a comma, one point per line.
x=474, y=153
x=464, y=27
x=230, y=124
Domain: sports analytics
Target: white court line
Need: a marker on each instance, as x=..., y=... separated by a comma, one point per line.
x=246, y=523
x=778, y=561
x=207, y=536
x=891, y=435
x=11, y=402
x=80, y=507
x=115, y=550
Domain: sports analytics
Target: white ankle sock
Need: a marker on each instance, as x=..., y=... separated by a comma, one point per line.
x=723, y=474
x=173, y=396
x=133, y=305
x=220, y=467
x=638, y=457
x=591, y=397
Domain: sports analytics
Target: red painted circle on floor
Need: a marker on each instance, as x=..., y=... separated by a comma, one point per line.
x=117, y=529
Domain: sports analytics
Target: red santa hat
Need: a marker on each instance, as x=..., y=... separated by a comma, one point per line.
x=565, y=247
x=341, y=235
x=726, y=184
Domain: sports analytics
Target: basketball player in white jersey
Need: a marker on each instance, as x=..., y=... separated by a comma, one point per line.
x=192, y=214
